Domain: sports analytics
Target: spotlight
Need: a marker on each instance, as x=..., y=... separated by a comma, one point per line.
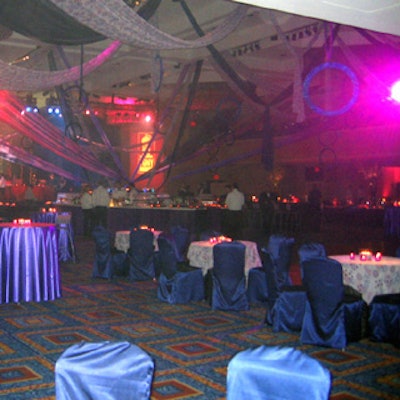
x=147, y=118
x=395, y=92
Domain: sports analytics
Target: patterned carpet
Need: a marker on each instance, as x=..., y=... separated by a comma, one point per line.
x=190, y=344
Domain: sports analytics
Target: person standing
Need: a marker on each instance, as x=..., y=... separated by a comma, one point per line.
x=234, y=222
x=101, y=202
x=87, y=210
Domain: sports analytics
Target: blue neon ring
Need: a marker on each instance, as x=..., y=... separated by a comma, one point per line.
x=315, y=71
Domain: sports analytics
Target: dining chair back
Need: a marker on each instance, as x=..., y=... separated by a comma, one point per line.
x=174, y=286
x=310, y=250
x=66, y=243
x=228, y=277
x=141, y=255
x=107, y=262
x=285, y=304
x=272, y=372
x=330, y=319
x=280, y=248
x=104, y=370
x=181, y=236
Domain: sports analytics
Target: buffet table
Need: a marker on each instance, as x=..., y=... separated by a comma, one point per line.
x=371, y=277
x=122, y=218
x=29, y=268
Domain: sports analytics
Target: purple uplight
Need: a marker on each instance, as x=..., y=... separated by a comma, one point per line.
x=395, y=92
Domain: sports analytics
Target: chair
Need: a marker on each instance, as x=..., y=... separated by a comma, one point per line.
x=66, y=244
x=108, y=262
x=141, y=255
x=228, y=278
x=331, y=319
x=285, y=304
x=310, y=250
x=280, y=248
x=274, y=373
x=257, y=289
x=181, y=236
x=105, y=370
x=384, y=318
x=174, y=286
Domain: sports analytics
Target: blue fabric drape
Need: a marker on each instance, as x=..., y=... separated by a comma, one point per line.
x=175, y=286
x=276, y=373
x=326, y=313
x=141, y=255
x=105, y=370
x=228, y=278
x=106, y=262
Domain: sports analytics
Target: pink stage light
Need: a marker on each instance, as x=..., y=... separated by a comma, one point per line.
x=147, y=118
x=395, y=92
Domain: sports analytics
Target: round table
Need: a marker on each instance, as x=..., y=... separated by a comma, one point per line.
x=371, y=277
x=200, y=255
x=29, y=267
x=122, y=240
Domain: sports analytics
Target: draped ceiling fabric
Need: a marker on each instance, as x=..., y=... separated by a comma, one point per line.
x=116, y=20
x=15, y=78
x=71, y=23
x=43, y=132
x=22, y=16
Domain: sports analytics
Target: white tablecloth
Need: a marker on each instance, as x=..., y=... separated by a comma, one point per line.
x=371, y=277
x=122, y=240
x=200, y=255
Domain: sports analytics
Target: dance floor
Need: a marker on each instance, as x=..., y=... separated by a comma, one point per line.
x=191, y=345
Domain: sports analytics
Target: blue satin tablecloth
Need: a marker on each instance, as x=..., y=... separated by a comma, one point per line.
x=29, y=267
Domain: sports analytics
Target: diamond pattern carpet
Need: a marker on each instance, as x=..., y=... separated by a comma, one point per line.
x=190, y=344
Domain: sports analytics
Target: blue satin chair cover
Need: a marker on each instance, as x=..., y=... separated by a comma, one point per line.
x=181, y=236
x=280, y=248
x=330, y=319
x=104, y=371
x=228, y=278
x=276, y=373
x=257, y=289
x=310, y=250
x=176, y=287
x=141, y=255
x=107, y=262
x=384, y=318
x=29, y=266
x=285, y=304
x=66, y=244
